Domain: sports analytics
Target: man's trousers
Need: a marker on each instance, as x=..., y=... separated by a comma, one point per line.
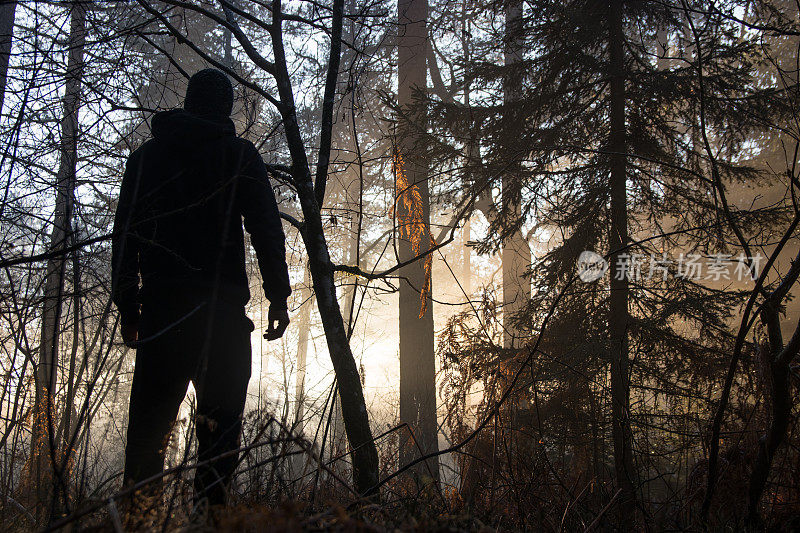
x=183, y=340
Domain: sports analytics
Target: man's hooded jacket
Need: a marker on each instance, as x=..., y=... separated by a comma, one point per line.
x=179, y=218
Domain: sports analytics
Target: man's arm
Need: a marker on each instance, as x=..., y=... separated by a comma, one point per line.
x=125, y=253
x=262, y=221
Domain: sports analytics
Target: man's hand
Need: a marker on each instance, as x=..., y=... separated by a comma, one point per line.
x=130, y=333
x=277, y=321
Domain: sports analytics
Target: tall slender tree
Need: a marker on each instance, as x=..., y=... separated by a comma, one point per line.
x=516, y=251
x=412, y=209
x=618, y=314
x=8, y=11
x=44, y=447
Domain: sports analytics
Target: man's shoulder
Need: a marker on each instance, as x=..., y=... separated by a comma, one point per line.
x=137, y=153
x=243, y=144
x=245, y=152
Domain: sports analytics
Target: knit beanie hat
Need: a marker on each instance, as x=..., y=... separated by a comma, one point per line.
x=209, y=93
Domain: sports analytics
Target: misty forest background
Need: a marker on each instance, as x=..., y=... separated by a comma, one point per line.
x=440, y=165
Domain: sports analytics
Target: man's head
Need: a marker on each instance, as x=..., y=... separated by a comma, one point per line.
x=209, y=93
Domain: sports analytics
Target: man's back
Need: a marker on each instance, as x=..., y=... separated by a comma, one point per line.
x=182, y=200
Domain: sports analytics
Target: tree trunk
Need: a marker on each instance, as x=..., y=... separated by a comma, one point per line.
x=472, y=155
x=7, y=12
x=618, y=317
x=354, y=408
x=44, y=450
x=466, y=252
x=780, y=405
x=303, y=330
x=303, y=326
x=516, y=252
x=349, y=296
x=780, y=414
x=417, y=357
x=350, y=158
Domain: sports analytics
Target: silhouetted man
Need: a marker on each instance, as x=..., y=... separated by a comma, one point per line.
x=179, y=226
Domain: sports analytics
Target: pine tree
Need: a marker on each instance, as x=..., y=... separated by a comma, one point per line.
x=607, y=140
